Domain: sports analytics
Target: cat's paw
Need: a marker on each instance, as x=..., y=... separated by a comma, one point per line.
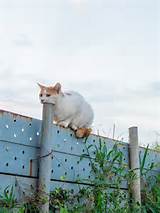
x=73, y=127
x=63, y=124
x=83, y=132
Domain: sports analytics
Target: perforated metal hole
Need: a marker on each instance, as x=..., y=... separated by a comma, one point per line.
x=89, y=164
x=59, y=165
x=7, y=149
x=57, y=131
x=83, y=169
x=94, y=140
x=65, y=160
x=71, y=167
x=30, y=124
x=23, y=167
x=15, y=158
x=77, y=175
x=52, y=171
x=65, y=173
x=71, y=134
x=23, y=152
x=77, y=162
x=71, y=148
x=15, y=120
x=83, y=150
x=7, y=164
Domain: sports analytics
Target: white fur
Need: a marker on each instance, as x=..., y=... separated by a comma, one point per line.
x=71, y=110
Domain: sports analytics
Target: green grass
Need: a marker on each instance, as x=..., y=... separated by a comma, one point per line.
x=104, y=193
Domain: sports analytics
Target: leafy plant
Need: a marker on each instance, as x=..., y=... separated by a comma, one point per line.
x=151, y=187
x=58, y=199
x=144, y=171
x=103, y=193
x=7, y=199
x=150, y=183
x=151, y=196
x=109, y=171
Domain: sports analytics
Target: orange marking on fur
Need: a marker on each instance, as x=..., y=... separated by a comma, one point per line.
x=49, y=90
x=83, y=132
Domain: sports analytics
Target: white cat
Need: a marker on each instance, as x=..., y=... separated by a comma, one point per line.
x=70, y=109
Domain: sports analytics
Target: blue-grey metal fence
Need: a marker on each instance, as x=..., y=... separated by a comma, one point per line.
x=20, y=149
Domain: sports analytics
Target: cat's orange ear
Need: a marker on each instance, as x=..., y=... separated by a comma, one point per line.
x=57, y=87
x=41, y=86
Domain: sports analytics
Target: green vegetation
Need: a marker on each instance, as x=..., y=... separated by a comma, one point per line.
x=103, y=192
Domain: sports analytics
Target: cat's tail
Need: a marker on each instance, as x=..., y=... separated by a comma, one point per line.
x=83, y=132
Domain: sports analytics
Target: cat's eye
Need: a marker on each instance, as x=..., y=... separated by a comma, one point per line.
x=48, y=95
x=40, y=95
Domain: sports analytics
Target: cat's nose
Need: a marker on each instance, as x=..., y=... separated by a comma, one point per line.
x=42, y=101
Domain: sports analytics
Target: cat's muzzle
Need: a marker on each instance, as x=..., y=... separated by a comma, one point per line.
x=43, y=102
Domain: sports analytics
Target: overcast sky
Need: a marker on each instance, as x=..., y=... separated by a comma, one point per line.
x=108, y=50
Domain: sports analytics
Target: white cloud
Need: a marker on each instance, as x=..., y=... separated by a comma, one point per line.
x=22, y=40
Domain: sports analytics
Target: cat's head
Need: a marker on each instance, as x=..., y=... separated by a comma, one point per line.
x=49, y=94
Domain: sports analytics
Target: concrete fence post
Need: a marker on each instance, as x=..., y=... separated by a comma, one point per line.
x=134, y=163
x=45, y=157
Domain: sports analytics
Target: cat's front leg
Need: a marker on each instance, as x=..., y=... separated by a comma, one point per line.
x=64, y=124
x=73, y=127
